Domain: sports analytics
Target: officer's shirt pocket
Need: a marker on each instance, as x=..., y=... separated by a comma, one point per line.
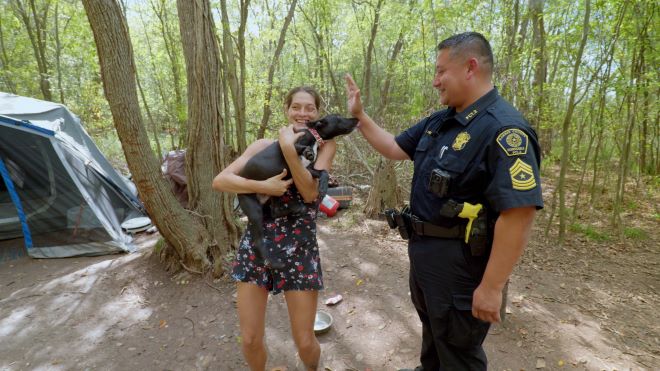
x=451, y=163
x=466, y=175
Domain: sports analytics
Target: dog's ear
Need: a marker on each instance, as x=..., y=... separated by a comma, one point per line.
x=316, y=124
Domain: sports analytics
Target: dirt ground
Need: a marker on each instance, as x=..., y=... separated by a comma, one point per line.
x=589, y=305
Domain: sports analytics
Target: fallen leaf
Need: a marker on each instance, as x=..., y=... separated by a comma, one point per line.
x=359, y=282
x=163, y=323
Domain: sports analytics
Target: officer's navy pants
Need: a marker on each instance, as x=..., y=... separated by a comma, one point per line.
x=443, y=276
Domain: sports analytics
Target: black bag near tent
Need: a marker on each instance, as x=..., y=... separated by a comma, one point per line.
x=58, y=192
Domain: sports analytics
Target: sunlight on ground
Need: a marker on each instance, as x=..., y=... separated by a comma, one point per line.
x=68, y=330
x=579, y=336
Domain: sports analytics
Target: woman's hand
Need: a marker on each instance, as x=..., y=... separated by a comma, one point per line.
x=276, y=186
x=288, y=137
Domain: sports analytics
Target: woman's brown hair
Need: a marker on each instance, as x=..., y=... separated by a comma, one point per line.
x=307, y=89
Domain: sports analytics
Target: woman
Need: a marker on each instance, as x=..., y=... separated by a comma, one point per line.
x=296, y=234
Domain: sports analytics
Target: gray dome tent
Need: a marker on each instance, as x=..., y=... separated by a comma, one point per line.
x=58, y=191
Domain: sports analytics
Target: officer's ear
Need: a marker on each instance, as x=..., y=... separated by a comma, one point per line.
x=473, y=67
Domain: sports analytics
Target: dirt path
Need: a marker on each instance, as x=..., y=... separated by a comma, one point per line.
x=587, y=306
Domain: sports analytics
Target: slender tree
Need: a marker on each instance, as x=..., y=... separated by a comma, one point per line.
x=567, y=121
x=271, y=71
x=35, y=21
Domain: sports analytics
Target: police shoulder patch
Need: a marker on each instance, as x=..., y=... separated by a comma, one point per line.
x=513, y=141
x=522, y=176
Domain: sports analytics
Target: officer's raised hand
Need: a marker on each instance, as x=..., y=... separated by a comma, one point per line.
x=354, y=101
x=380, y=139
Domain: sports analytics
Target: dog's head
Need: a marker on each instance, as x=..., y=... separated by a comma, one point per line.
x=333, y=125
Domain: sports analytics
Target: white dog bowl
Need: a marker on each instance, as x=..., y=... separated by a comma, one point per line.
x=322, y=322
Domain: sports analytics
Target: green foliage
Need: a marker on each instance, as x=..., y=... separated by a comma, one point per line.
x=589, y=231
x=635, y=233
x=327, y=39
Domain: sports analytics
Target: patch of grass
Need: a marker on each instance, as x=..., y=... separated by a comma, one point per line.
x=633, y=205
x=347, y=220
x=635, y=233
x=158, y=247
x=589, y=231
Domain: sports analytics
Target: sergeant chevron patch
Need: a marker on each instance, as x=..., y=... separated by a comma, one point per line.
x=522, y=176
x=513, y=142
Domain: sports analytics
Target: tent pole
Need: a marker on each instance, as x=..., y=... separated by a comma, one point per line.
x=17, y=203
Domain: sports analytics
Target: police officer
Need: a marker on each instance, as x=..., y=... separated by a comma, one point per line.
x=483, y=152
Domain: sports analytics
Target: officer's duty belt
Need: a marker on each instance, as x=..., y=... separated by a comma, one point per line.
x=423, y=228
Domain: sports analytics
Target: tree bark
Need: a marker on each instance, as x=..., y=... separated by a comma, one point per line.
x=205, y=157
x=385, y=192
x=187, y=237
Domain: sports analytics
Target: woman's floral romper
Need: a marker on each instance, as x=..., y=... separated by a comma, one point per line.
x=295, y=241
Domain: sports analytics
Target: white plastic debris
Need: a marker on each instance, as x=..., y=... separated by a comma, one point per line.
x=334, y=300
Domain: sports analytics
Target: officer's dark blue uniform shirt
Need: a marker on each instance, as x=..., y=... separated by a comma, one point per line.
x=489, y=149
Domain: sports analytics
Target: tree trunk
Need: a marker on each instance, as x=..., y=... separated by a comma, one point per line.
x=234, y=76
x=4, y=63
x=187, y=236
x=540, y=74
x=271, y=71
x=171, y=124
x=385, y=92
x=58, y=52
x=366, y=86
x=204, y=157
x=37, y=35
x=510, y=36
x=169, y=41
x=566, y=125
x=323, y=55
x=384, y=193
x=152, y=123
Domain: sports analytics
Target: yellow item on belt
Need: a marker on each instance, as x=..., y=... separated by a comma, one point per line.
x=469, y=212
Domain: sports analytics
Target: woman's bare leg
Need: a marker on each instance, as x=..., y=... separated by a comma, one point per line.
x=252, y=301
x=302, y=311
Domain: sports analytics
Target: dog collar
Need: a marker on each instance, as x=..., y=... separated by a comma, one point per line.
x=316, y=135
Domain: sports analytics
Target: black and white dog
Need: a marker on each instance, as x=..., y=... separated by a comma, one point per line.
x=270, y=162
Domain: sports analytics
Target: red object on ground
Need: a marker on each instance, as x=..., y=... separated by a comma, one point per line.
x=329, y=206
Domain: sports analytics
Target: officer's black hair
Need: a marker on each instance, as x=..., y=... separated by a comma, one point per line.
x=469, y=42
